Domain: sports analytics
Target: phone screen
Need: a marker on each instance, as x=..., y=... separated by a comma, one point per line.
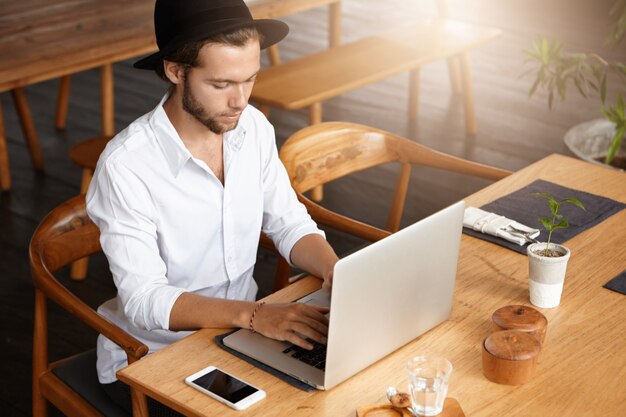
x=225, y=386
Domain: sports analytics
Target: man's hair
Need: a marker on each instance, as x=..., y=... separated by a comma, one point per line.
x=187, y=55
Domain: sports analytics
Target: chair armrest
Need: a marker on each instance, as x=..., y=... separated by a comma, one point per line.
x=415, y=153
x=342, y=223
x=50, y=287
x=267, y=243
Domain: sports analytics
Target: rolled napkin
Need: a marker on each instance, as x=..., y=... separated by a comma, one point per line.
x=496, y=225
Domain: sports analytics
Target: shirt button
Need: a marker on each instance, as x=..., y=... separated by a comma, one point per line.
x=230, y=258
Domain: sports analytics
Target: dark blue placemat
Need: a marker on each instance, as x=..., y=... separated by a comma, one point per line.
x=525, y=208
x=618, y=283
x=219, y=339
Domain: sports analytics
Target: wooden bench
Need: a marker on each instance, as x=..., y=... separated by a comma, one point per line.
x=306, y=82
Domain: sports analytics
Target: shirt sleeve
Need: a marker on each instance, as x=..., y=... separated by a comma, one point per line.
x=120, y=205
x=285, y=219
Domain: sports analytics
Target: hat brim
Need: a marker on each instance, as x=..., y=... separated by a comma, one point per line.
x=272, y=31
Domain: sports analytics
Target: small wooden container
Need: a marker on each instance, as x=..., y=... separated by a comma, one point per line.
x=510, y=357
x=521, y=318
x=451, y=408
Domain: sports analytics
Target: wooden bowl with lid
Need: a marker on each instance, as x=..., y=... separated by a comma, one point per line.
x=522, y=318
x=510, y=357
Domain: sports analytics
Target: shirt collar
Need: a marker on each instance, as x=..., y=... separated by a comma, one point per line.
x=174, y=150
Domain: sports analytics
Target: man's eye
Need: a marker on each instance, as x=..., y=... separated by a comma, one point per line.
x=220, y=86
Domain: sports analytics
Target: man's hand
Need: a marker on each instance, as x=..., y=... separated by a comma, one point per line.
x=293, y=323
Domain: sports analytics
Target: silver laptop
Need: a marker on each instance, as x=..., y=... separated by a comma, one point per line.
x=383, y=296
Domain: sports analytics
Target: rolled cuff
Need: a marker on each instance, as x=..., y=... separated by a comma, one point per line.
x=288, y=242
x=152, y=310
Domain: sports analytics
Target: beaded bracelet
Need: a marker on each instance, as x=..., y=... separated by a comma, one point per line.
x=257, y=308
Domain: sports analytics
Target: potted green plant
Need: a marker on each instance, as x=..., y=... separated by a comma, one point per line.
x=557, y=69
x=547, y=262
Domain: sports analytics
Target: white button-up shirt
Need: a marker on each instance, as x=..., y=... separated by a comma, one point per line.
x=168, y=225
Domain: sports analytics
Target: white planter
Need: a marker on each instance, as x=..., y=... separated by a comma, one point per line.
x=546, y=275
x=590, y=140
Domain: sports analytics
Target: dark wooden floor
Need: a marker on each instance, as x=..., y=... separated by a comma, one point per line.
x=513, y=131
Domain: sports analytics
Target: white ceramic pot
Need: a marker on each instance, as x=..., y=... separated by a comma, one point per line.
x=590, y=141
x=546, y=275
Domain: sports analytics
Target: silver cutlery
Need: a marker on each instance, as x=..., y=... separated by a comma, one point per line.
x=520, y=233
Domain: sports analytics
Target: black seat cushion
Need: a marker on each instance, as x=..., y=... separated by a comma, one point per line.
x=79, y=373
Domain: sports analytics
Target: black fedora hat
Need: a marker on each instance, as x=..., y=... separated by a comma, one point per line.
x=177, y=22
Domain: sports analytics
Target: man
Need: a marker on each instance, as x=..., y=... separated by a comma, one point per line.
x=181, y=195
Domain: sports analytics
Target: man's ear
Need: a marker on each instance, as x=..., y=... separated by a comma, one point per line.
x=174, y=72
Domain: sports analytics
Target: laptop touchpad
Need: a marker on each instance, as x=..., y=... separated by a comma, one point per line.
x=320, y=298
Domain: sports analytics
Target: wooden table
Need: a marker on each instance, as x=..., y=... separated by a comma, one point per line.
x=45, y=39
x=581, y=371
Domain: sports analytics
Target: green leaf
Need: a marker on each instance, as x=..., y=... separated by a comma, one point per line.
x=555, y=48
x=554, y=206
x=560, y=85
x=610, y=115
x=547, y=223
x=596, y=70
x=534, y=87
x=575, y=202
x=615, y=144
x=536, y=55
x=603, y=87
x=546, y=195
x=620, y=106
x=550, y=99
x=567, y=72
x=579, y=86
x=618, y=15
x=563, y=224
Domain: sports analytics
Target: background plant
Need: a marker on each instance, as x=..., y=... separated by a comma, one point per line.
x=588, y=72
x=557, y=221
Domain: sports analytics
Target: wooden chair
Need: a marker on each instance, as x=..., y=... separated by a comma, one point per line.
x=321, y=153
x=65, y=235
x=85, y=154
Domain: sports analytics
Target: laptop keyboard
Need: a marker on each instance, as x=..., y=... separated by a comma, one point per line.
x=315, y=357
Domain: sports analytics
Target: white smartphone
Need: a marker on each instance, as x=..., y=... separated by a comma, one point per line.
x=225, y=388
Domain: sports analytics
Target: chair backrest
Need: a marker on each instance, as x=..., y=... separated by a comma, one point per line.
x=63, y=236
x=325, y=152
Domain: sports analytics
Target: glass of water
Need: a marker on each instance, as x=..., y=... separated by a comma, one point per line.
x=428, y=383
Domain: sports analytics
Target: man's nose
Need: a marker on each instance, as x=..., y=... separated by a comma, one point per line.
x=239, y=97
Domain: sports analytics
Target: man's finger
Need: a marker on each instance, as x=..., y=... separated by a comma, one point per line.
x=317, y=313
x=293, y=338
x=318, y=323
x=310, y=333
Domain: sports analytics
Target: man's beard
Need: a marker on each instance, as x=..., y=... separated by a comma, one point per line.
x=195, y=109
